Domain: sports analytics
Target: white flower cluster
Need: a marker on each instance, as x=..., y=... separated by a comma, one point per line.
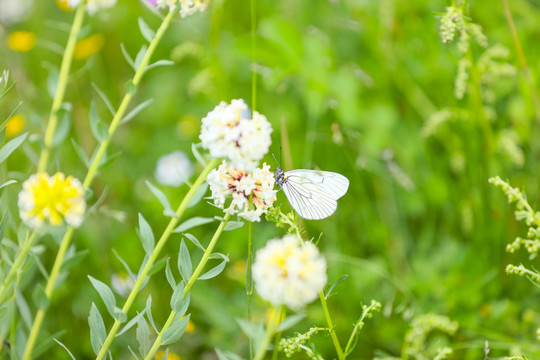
x=229, y=132
x=53, y=199
x=256, y=187
x=174, y=169
x=187, y=7
x=93, y=6
x=289, y=272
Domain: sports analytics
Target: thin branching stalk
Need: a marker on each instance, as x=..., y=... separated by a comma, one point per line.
x=521, y=57
x=51, y=282
x=189, y=285
x=61, y=87
x=333, y=335
x=155, y=253
x=270, y=328
x=19, y=261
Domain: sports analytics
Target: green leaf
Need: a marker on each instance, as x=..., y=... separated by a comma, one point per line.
x=131, y=322
x=40, y=298
x=130, y=88
x=65, y=348
x=106, y=294
x=146, y=31
x=160, y=196
x=191, y=223
x=289, y=322
x=105, y=99
x=146, y=235
x=331, y=288
x=175, y=332
x=127, y=57
x=97, y=329
x=159, y=63
x=197, y=154
x=52, y=81
x=177, y=297
x=24, y=309
x=80, y=153
x=11, y=146
x=227, y=355
x=194, y=240
x=199, y=194
x=136, y=110
x=156, y=267
x=140, y=56
x=184, y=262
x=169, y=275
x=74, y=260
x=254, y=331
x=62, y=130
x=148, y=309
x=143, y=336
x=214, y=271
x=99, y=130
x=233, y=225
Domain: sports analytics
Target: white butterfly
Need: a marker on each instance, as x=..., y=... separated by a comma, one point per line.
x=312, y=193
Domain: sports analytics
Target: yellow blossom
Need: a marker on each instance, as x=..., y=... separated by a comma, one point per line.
x=64, y=5
x=170, y=356
x=53, y=199
x=15, y=125
x=88, y=46
x=22, y=41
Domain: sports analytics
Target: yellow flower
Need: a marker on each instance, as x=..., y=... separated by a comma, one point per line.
x=53, y=199
x=88, y=46
x=190, y=328
x=21, y=41
x=170, y=356
x=64, y=5
x=15, y=125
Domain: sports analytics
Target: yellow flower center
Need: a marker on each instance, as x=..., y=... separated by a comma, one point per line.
x=21, y=41
x=53, y=197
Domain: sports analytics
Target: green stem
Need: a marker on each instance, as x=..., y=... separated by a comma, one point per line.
x=249, y=280
x=253, y=56
x=155, y=253
x=270, y=328
x=51, y=282
x=127, y=99
x=189, y=285
x=61, y=87
x=521, y=57
x=331, y=327
x=19, y=262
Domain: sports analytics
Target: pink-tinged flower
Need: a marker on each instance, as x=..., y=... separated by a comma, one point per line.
x=252, y=192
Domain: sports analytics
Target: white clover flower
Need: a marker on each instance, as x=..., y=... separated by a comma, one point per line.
x=122, y=283
x=256, y=187
x=12, y=12
x=187, y=7
x=93, y=6
x=174, y=169
x=229, y=132
x=289, y=272
x=52, y=199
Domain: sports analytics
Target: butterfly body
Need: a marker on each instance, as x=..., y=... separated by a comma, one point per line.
x=312, y=193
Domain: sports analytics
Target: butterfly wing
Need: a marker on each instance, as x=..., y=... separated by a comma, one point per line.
x=313, y=193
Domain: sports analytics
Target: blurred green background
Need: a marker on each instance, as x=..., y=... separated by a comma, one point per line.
x=355, y=82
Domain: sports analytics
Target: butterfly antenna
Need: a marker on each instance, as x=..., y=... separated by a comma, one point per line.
x=279, y=164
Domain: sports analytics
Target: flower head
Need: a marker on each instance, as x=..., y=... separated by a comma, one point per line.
x=255, y=187
x=122, y=283
x=228, y=131
x=92, y=6
x=173, y=169
x=52, y=199
x=289, y=272
x=187, y=7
